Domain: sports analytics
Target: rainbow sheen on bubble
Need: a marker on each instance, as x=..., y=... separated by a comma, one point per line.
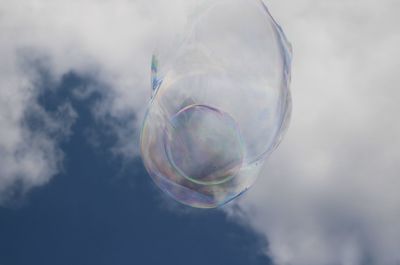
x=220, y=104
x=197, y=141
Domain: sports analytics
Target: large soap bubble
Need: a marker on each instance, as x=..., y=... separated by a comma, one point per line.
x=220, y=104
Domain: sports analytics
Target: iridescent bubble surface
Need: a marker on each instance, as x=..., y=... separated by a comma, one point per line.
x=220, y=104
x=197, y=144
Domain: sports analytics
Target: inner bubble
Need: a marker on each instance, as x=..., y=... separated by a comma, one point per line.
x=204, y=145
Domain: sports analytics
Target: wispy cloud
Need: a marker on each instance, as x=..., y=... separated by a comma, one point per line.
x=111, y=42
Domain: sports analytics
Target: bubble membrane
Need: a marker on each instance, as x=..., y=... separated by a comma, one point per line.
x=197, y=142
x=220, y=104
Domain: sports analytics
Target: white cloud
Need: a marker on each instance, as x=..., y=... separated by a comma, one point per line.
x=329, y=195
x=111, y=41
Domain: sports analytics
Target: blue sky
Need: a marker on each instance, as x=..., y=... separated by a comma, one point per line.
x=104, y=210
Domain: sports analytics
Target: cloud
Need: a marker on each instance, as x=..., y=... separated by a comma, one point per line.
x=328, y=195
x=29, y=136
x=109, y=41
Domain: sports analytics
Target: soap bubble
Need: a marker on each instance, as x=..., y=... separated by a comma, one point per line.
x=220, y=103
x=197, y=145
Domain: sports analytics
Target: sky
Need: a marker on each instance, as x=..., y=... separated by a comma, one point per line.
x=74, y=82
x=103, y=210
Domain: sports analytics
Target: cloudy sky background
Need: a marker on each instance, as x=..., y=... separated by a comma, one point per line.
x=328, y=195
